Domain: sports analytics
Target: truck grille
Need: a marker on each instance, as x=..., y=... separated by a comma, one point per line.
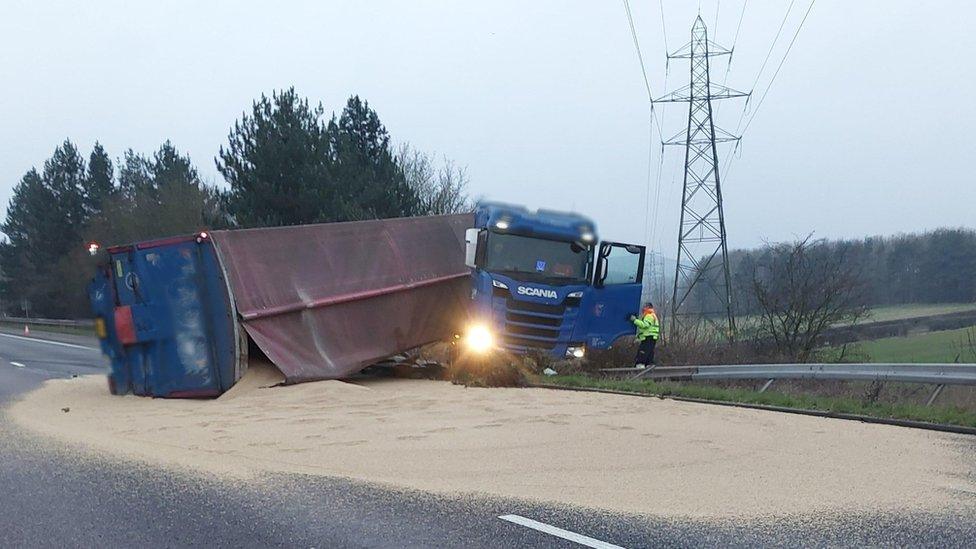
x=528, y=306
x=531, y=325
x=530, y=319
x=516, y=343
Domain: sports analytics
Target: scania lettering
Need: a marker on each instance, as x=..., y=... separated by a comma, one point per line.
x=543, y=282
x=538, y=292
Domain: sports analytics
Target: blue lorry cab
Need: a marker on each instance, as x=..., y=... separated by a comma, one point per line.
x=543, y=282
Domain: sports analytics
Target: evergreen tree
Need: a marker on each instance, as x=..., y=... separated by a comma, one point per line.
x=99, y=181
x=34, y=228
x=64, y=175
x=371, y=181
x=135, y=174
x=170, y=168
x=164, y=197
x=277, y=163
x=53, y=213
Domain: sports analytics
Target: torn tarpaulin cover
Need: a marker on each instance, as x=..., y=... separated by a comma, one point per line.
x=323, y=301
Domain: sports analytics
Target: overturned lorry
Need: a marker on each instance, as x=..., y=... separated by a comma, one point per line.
x=321, y=301
x=177, y=316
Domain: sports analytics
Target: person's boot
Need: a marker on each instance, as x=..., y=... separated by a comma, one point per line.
x=639, y=366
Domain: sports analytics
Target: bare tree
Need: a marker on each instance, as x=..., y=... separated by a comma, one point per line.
x=441, y=189
x=803, y=288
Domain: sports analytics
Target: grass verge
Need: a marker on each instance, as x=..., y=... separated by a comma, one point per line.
x=934, y=414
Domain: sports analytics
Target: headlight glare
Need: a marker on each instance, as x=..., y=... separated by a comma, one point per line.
x=479, y=338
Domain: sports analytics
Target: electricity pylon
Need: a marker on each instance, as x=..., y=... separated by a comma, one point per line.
x=702, y=282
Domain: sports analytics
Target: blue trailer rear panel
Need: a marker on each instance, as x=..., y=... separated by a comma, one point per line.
x=166, y=319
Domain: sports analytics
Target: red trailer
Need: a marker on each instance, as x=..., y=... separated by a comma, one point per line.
x=321, y=301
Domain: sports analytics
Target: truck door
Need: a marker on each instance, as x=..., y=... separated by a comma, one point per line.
x=616, y=292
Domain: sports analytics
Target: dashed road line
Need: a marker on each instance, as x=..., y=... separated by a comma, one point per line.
x=559, y=532
x=17, y=364
x=49, y=342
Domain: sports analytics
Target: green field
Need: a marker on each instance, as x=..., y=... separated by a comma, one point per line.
x=884, y=313
x=946, y=346
x=899, y=312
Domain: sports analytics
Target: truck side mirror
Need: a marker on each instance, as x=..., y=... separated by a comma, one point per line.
x=471, y=238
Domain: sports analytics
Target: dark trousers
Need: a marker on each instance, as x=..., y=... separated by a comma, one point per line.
x=645, y=353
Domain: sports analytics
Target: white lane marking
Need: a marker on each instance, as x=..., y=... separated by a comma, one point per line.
x=49, y=342
x=17, y=364
x=559, y=532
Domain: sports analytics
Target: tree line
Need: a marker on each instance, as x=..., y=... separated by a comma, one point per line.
x=932, y=267
x=284, y=163
x=788, y=295
x=937, y=266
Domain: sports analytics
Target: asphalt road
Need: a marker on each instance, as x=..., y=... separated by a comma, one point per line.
x=54, y=496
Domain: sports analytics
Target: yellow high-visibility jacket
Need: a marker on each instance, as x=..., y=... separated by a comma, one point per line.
x=647, y=326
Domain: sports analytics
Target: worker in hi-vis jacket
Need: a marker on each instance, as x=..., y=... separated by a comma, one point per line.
x=648, y=330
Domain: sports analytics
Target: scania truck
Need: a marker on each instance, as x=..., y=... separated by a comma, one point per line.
x=543, y=282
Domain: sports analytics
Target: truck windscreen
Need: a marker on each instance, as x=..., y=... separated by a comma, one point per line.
x=537, y=258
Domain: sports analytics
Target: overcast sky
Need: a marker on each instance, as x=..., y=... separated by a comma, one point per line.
x=866, y=130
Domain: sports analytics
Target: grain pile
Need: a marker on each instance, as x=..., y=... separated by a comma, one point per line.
x=619, y=453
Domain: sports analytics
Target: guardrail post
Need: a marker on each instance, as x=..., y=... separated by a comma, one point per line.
x=935, y=394
x=766, y=385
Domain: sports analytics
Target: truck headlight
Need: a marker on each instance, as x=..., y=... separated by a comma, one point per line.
x=479, y=338
x=498, y=284
x=575, y=352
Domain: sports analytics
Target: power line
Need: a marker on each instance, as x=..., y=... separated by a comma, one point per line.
x=728, y=66
x=652, y=122
x=647, y=189
x=771, y=47
x=771, y=80
x=660, y=167
x=664, y=33
x=664, y=28
x=780, y=66
x=657, y=189
x=738, y=27
x=640, y=58
x=718, y=4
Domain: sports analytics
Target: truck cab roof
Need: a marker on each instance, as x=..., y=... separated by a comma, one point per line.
x=542, y=223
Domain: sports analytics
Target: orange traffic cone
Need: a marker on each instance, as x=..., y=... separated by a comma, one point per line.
x=26, y=330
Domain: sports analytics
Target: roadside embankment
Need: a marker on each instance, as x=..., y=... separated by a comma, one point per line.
x=841, y=397
x=619, y=453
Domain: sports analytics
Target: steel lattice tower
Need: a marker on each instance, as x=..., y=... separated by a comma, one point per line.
x=702, y=284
